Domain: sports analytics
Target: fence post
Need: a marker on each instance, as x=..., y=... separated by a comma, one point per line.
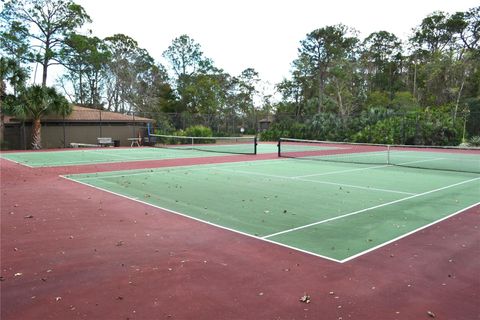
x=64, y=133
x=100, y=113
x=134, y=125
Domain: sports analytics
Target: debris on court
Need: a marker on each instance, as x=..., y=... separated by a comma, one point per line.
x=431, y=314
x=28, y=216
x=305, y=298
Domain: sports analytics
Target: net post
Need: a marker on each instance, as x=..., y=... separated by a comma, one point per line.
x=388, y=154
x=255, y=145
x=278, y=147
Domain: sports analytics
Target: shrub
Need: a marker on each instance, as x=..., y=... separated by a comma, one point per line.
x=474, y=141
x=198, y=131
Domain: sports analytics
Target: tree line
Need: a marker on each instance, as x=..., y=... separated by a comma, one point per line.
x=335, y=72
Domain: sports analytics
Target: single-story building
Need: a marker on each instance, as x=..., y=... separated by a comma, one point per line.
x=83, y=125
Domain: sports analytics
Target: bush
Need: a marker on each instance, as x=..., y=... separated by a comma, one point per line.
x=198, y=131
x=376, y=125
x=474, y=141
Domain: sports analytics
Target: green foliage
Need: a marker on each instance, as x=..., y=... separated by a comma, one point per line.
x=420, y=128
x=198, y=131
x=474, y=141
x=377, y=99
x=163, y=124
x=376, y=125
x=45, y=22
x=404, y=101
x=35, y=102
x=472, y=116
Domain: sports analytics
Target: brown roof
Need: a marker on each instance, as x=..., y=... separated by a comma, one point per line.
x=80, y=114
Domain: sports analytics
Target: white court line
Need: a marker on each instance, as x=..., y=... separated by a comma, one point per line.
x=367, y=209
x=315, y=181
x=225, y=168
x=341, y=171
x=408, y=233
x=263, y=238
x=201, y=220
x=17, y=162
x=367, y=168
x=198, y=167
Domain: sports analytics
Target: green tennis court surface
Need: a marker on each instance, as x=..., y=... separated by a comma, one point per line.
x=334, y=210
x=109, y=155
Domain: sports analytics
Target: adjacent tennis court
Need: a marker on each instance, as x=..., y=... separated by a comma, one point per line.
x=334, y=210
x=113, y=155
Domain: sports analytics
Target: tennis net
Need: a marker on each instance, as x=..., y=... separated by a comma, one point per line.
x=235, y=145
x=424, y=157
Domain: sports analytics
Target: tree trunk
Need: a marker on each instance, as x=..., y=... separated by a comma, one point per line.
x=320, y=92
x=457, y=102
x=415, y=80
x=36, y=134
x=44, y=73
x=339, y=100
x=45, y=62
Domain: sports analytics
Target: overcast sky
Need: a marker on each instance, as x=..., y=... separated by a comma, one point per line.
x=262, y=34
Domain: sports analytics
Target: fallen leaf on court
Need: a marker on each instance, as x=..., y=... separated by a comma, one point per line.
x=58, y=298
x=119, y=243
x=2, y=279
x=431, y=314
x=28, y=216
x=18, y=274
x=305, y=298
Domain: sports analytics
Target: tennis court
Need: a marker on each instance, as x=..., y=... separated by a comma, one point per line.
x=115, y=155
x=335, y=210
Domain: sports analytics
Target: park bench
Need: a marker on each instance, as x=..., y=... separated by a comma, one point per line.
x=105, y=142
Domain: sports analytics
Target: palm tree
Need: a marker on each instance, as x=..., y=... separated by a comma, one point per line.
x=35, y=102
x=12, y=72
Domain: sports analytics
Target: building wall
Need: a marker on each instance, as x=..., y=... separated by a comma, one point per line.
x=55, y=135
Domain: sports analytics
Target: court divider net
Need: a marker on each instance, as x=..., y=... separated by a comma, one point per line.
x=447, y=158
x=235, y=145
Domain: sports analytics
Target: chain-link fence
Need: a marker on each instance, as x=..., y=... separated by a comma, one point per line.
x=86, y=125
x=425, y=127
